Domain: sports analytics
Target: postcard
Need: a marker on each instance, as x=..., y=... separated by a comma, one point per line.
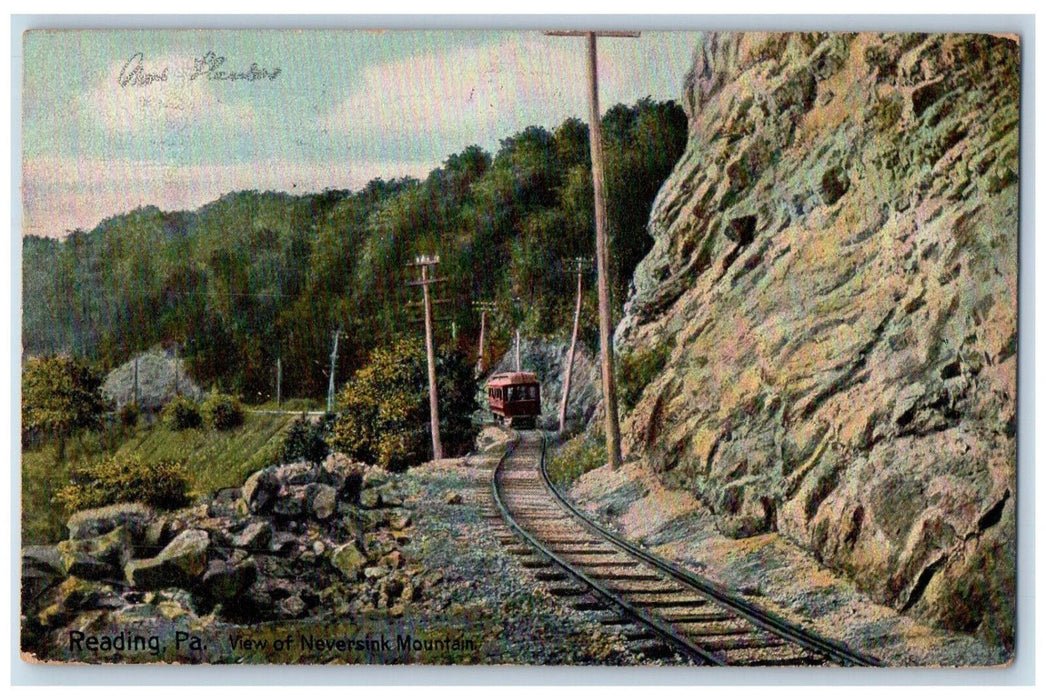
x=618, y=348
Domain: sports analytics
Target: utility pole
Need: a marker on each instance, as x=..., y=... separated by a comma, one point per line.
x=330, y=385
x=484, y=307
x=606, y=347
x=279, y=379
x=177, y=389
x=580, y=262
x=424, y=261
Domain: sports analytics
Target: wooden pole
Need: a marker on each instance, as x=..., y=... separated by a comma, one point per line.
x=517, y=350
x=606, y=348
x=330, y=385
x=279, y=380
x=570, y=356
x=480, y=366
x=430, y=353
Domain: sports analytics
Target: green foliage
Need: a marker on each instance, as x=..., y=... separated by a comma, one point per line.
x=257, y=276
x=60, y=396
x=218, y=459
x=579, y=455
x=181, y=413
x=635, y=370
x=307, y=439
x=384, y=410
x=163, y=484
x=129, y=415
x=221, y=412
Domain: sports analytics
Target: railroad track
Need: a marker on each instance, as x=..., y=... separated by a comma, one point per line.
x=659, y=608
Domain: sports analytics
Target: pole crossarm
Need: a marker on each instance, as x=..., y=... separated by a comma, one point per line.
x=610, y=33
x=426, y=282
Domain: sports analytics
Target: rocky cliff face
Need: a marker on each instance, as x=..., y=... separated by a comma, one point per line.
x=835, y=271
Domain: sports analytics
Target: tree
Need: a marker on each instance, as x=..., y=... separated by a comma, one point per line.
x=60, y=396
x=383, y=409
x=255, y=277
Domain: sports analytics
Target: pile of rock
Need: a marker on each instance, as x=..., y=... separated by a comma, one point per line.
x=296, y=540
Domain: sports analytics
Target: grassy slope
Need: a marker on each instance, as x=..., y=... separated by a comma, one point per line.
x=215, y=460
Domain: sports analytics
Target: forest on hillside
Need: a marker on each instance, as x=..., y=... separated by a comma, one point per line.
x=256, y=276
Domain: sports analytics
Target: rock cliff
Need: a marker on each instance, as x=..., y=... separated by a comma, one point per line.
x=835, y=275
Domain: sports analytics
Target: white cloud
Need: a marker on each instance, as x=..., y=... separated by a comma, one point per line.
x=151, y=95
x=441, y=101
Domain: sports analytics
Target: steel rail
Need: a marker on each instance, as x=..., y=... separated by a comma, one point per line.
x=692, y=650
x=812, y=641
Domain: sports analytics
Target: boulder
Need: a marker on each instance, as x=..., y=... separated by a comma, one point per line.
x=283, y=543
x=164, y=528
x=74, y=595
x=43, y=558
x=98, y=521
x=224, y=581
x=259, y=491
x=42, y=568
x=392, y=560
x=296, y=474
x=179, y=564
x=375, y=572
x=390, y=497
x=97, y=558
x=322, y=500
x=399, y=520
x=348, y=560
x=370, y=498
x=291, y=502
x=291, y=607
x=255, y=537
x=343, y=474
x=374, y=477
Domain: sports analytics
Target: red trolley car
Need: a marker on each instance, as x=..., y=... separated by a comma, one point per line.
x=515, y=398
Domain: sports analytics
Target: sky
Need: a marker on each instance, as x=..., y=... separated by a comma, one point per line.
x=114, y=120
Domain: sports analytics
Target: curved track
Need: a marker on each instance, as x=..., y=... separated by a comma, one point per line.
x=657, y=606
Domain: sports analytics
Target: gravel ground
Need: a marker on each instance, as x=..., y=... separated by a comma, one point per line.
x=479, y=580
x=770, y=571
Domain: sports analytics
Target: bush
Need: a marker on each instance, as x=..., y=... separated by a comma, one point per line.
x=307, y=439
x=575, y=457
x=181, y=413
x=163, y=484
x=384, y=409
x=222, y=412
x=129, y=415
x=60, y=397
